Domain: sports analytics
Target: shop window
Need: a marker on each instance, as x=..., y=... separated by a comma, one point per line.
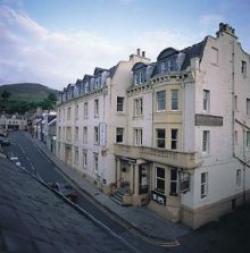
x=174, y=182
x=160, y=179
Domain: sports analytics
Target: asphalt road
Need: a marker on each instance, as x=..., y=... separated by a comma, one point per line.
x=33, y=160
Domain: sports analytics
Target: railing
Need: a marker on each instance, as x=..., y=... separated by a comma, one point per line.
x=185, y=160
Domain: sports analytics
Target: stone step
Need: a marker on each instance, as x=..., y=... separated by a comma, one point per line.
x=118, y=197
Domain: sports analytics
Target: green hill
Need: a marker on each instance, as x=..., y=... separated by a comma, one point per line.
x=31, y=92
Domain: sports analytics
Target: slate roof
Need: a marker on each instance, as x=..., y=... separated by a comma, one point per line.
x=34, y=219
x=112, y=70
x=98, y=71
x=195, y=50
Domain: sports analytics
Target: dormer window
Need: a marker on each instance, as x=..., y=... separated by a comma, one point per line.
x=139, y=77
x=86, y=87
x=163, y=67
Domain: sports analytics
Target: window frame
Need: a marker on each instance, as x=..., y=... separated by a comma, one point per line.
x=96, y=161
x=161, y=179
x=174, y=140
x=138, y=107
x=96, y=108
x=96, y=135
x=206, y=100
x=138, y=136
x=85, y=110
x=76, y=161
x=85, y=135
x=157, y=137
x=175, y=99
x=158, y=101
x=85, y=159
x=120, y=104
x=248, y=107
x=244, y=68
x=122, y=135
x=204, y=185
x=206, y=147
x=76, y=134
x=174, y=181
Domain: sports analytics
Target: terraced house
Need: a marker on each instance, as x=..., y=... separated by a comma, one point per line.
x=172, y=134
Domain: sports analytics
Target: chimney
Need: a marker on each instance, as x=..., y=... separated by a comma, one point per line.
x=138, y=52
x=226, y=28
x=143, y=54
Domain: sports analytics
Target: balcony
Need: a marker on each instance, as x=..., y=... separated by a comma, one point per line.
x=169, y=157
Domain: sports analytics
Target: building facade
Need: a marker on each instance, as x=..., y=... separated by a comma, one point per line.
x=172, y=134
x=15, y=121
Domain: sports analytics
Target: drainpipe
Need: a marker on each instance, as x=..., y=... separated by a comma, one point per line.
x=244, y=167
x=233, y=101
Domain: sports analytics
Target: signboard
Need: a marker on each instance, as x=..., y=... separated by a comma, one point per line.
x=158, y=197
x=103, y=133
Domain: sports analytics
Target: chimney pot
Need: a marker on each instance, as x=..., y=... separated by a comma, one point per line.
x=138, y=51
x=143, y=54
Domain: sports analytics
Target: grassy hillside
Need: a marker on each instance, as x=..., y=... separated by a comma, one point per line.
x=31, y=92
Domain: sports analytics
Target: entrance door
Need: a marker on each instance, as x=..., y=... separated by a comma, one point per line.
x=143, y=179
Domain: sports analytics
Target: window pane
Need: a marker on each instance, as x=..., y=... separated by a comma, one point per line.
x=161, y=133
x=161, y=100
x=174, y=174
x=174, y=99
x=160, y=172
x=120, y=104
x=160, y=185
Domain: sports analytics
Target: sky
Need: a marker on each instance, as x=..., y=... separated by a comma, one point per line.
x=55, y=42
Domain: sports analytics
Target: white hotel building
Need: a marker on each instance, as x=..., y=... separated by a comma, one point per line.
x=172, y=134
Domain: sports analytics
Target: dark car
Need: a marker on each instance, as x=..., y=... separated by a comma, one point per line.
x=4, y=141
x=66, y=190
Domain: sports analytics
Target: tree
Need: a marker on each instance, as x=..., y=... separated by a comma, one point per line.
x=5, y=95
x=52, y=97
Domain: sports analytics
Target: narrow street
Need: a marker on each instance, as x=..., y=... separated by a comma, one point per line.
x=33, y=160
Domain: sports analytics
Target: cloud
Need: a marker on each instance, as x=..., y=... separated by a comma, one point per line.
x=30, y=52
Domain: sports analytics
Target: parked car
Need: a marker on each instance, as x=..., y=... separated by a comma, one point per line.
x=65, y=189
x=4, y=141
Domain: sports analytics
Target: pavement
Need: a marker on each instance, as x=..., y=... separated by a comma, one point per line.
x=148, y=224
